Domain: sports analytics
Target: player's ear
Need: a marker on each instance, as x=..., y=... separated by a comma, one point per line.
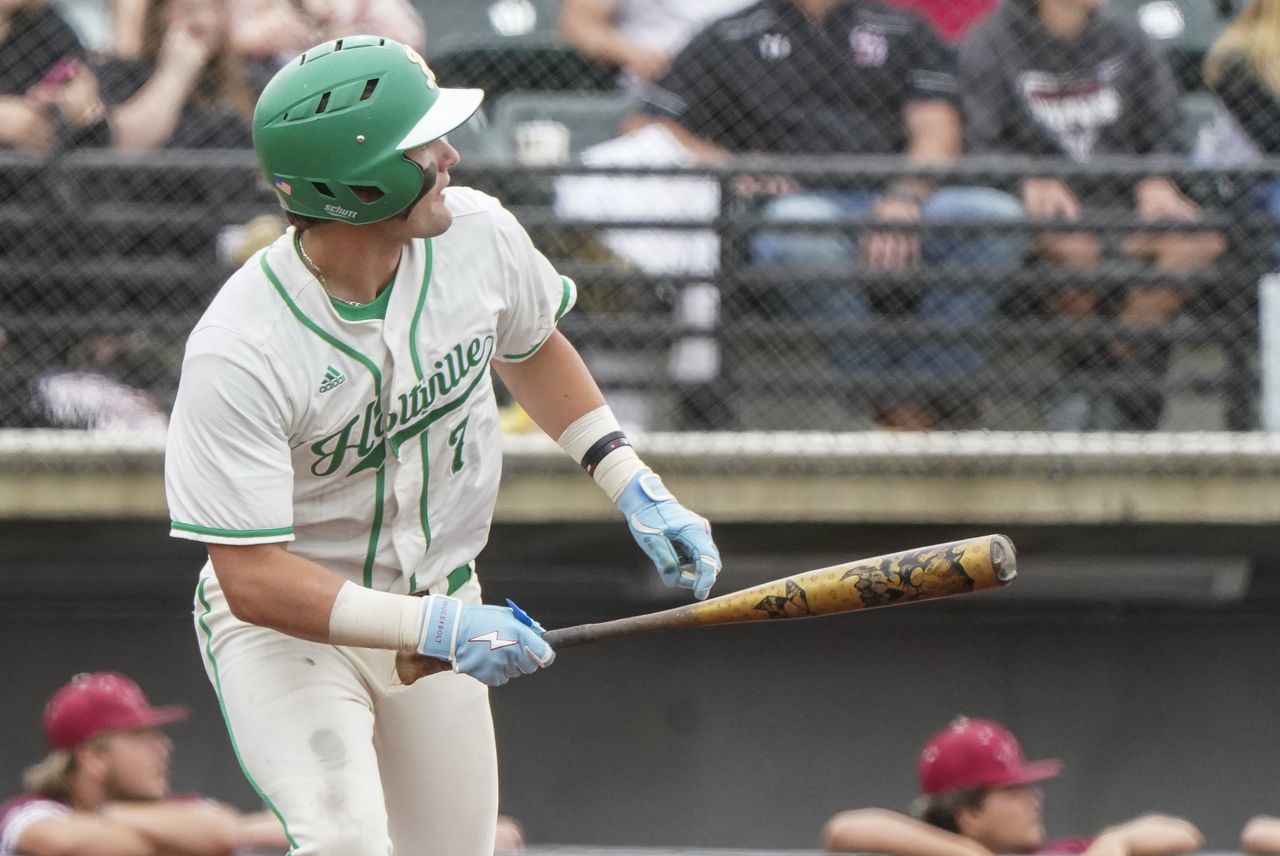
x=968, y=817
x=90, y=757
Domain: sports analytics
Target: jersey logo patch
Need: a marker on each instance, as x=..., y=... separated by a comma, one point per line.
x=332, y=377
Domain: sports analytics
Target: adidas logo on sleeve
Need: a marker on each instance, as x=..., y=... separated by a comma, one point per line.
x=332, y=377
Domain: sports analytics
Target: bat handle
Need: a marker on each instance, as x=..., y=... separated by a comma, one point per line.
x=411, y=666
x=570, y=637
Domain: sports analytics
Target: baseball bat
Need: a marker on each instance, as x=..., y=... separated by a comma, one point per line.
x=925, y=573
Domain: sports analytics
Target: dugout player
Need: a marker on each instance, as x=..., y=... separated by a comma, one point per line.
x=335, y=445
x=103, y=790
x=979, y=796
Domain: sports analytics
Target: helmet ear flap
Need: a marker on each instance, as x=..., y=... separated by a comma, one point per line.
x=366, y=193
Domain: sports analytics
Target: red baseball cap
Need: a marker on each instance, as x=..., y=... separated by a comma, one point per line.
x=977, y=753
x=94, y=703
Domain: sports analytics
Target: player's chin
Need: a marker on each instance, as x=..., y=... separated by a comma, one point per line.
x=154, y=788
x=430, y=217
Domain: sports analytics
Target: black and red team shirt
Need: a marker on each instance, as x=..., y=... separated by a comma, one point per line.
x=1110, y=91
x=769, y=79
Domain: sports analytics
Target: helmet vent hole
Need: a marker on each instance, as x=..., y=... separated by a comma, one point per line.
x=324, y=189
x=369, y=86
x=366, y=194
x=337, y=46
x=382, y=43
x=324, y=102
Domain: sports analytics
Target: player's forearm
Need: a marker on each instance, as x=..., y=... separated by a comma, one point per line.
x=268, y=586
x=1149, y=835
x=872, y=830
x=261, y=831
x=83, y=834
x=1261, y=835
x=553, y=386
x=180, y=828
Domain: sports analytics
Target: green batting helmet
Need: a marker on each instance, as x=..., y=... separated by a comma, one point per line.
x=332, y=126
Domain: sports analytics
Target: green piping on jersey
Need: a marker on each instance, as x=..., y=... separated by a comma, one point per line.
x=229, y=533
x=458, y=577
x=567, y=285
x=380, y=475
x=417, y=311
x=424, y=513
x=222, y=707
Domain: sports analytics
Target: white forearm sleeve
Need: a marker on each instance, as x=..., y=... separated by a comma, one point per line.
x=365, y=618
x=618, y=467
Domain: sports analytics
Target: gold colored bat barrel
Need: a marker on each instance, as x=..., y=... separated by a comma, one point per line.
x=925, y=573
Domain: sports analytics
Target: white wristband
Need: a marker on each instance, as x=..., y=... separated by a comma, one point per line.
x=366, y=618
x=616, y=469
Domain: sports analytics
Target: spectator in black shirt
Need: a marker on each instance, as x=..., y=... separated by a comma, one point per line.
x=187, y=90
x=1062, y=78
x=1243, y=67
x=843, y=77
x=47, y=93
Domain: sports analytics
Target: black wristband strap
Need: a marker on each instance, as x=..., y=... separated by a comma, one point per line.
x=602, y=447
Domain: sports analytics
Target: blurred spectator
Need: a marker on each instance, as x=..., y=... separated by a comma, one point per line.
x=835, y=77
x=128, y=27
x=187, y=89
x=1062, y=78
x=93, y=401
x=47, y=94
x=1261, y=835
x=639, y=36
x=509, y=837
x=106, y=26
x=104, y=787
x=1243, y=68
x=979, y=797
x=269, y=33
x=951, y=18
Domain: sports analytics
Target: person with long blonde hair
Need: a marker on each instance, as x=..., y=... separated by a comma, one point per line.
x=1243, y=67
x=103, y=788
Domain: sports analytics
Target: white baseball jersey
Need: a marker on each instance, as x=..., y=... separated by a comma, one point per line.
x=369, y=436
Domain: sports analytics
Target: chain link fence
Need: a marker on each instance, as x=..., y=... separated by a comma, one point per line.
x=840, y=223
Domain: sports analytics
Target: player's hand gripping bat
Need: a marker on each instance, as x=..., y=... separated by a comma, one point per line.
x=925, y=573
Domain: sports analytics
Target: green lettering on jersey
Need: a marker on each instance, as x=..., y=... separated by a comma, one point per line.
x=365, y=436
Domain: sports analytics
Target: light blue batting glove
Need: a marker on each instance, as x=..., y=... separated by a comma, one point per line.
x=492, y=644
x=677, y=540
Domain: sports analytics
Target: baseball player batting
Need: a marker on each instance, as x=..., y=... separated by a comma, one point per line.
x=336, y=395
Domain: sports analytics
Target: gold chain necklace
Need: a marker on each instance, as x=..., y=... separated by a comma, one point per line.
x=319, y=274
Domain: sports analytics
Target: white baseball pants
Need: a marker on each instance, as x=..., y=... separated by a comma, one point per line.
x=353, y=762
